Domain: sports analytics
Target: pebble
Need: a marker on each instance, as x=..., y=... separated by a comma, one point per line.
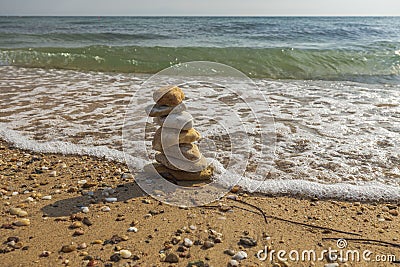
x=132, y=229
x=229, y=252
x=233, y=263
x=46, y=197
x=29, y=199
x=233, y=197
x=82, y=182
x=13, y=238
x=75, y=225
x=105, y=209
x=127, y=176
x=176, y=240
x=97, y=241
x=82, y=246
x=53, y=173
x=192, y=227
x=235, y=189
x=172, y=258
x=93, y=263
x=394, y=212
x=14, y=193
x=218, y=240
x=85, y=209
x=86, y=221
x=19, y=212
x=248, y=241
x=125, y=254
x=68, y=248
x=181, y=121
x=115, y=257
x=187, y=242
x=168, y=96
x=225, y=208
x=146, y=201
x=22, y=222
x=78, y=232
x=45, y=254
x=111, y=199
x=208, y=244
x=241, y=255
x=11, y=243
x=331, y=264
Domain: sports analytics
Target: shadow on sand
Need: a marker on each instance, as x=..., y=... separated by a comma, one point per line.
x=66, y=207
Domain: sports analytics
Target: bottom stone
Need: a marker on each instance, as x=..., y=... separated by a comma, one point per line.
x=182, y=175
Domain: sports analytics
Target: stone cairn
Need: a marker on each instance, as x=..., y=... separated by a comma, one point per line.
x=177, y=157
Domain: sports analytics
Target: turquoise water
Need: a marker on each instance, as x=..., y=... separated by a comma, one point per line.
x=365, y=49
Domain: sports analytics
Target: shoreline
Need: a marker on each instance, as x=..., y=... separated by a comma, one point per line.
x=372, y=192
x=293, y=223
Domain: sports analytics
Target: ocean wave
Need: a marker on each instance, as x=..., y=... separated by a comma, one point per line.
x=363, y=191
x=380, y=63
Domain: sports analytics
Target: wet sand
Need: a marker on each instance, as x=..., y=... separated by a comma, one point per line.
x=98, y=236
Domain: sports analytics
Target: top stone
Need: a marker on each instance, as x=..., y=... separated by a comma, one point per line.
x=168, y=96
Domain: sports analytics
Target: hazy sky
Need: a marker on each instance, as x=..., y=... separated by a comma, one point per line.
x=199, y=7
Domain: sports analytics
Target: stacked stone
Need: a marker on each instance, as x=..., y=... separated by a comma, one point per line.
x=177, y=157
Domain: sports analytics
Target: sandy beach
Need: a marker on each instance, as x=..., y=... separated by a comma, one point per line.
x=44, y=221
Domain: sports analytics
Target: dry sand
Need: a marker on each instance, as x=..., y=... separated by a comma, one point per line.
x=160, y=226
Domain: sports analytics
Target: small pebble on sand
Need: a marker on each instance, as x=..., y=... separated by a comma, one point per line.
x=111, y=199
x=132, y=229
x=68, y=248
x=105, y=209
x=82, y=246
x=86, y=221
x=187, y=242
x=229, y=252
x=45, y=254
x=125, y=254
x=394, y=212
x=172, y=258
x=22, y=222
x=208, y=244
x=241, y=255
x=85, y=209
x=76, y=225
x=248, y=241
x=19, y=212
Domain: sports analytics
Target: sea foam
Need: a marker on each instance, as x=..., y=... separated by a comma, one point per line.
x=363, y=191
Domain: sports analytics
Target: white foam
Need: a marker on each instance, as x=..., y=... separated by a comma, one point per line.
x=367, y=191
x=64, y=148
x=363, y=191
